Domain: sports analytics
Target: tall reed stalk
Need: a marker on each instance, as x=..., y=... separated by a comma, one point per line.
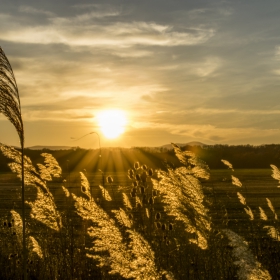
x=10, y=107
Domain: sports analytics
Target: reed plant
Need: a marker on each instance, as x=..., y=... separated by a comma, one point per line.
x=162, y=228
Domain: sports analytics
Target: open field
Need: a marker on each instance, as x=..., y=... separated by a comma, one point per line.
x=257, y=185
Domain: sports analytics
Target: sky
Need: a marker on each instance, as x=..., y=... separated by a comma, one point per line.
x=182, y=71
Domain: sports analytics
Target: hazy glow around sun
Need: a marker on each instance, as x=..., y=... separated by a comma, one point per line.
x=112, y=123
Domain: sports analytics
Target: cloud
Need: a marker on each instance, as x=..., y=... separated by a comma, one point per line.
x=32, y=10
x=83, y=30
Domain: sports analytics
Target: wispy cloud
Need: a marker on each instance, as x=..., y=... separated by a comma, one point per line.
x=82, y=30
x=32, y=10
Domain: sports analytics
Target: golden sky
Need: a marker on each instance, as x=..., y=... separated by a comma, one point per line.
x=181, y=71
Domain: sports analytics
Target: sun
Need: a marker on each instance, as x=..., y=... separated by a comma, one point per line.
x=112, y=123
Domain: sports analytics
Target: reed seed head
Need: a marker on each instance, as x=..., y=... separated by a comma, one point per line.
x=163, y=226
x=109, y=179
x=138, y=178
x=150, y=172
x=136, y=165
x=158, y=225
x=144, y=167
x=130, y=172
x=170, y=227
x=144, y=177
x=158, y=216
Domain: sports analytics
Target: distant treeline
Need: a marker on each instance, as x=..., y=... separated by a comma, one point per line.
x=121, y=159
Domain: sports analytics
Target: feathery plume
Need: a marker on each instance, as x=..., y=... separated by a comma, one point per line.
x=31, y=176
x=249, y=213
x=199, y=170
x=65, y=190
x=51, y=165
x=275, y=173
x=249, y=267
x=235, y=181
x=105, y=193
x=143, y=260
x=35, y=247
x=85, y=188
x=9, y=96
x=262, y=214
x=10, y=107
x=44, y=210
x=126, y=201
x=17, y=224
x=273, y=232
x=183, y=196
x=241, y=198
x=44, y=173
x=227, y=163
x=109, y=248
x=122, y=218
x=269, y=204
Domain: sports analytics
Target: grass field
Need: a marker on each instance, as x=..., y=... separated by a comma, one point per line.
x=183, y=259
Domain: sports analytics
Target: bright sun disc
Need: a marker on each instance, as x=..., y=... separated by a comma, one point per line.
x=112, y=123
